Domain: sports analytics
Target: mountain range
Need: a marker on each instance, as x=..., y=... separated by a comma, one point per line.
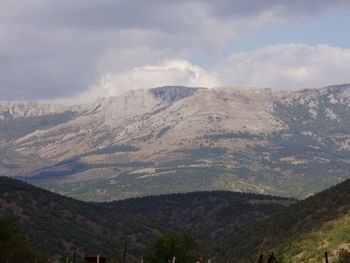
x=177, y=139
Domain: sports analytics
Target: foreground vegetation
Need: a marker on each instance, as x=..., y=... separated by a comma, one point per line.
x=14, y=246
x=171, y=247
x=58, y=225
x=226, y=225
x=301, y=232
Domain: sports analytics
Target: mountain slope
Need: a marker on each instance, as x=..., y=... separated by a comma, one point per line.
x=301, y=232
x=57, y=225
x=179, y=139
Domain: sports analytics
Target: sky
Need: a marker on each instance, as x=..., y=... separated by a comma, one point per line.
x=75, y=51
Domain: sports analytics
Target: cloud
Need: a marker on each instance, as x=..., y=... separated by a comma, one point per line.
x=282, y=8
x=56, y=49
x=173, y=72
x=288, y=66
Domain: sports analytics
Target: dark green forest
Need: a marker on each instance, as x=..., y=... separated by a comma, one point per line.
x=58, y=225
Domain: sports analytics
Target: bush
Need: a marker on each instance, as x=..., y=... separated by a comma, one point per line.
x=343, y=256
x=184, y=248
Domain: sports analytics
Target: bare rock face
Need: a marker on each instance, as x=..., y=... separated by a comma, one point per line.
x=120, y=111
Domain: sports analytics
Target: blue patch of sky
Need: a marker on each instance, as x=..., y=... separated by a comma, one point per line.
x=331, y=29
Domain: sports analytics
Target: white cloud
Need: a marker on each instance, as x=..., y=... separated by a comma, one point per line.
x=288, y=66
x=172, y=72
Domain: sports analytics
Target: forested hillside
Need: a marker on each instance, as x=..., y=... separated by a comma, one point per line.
x=301, y=232
x=59, y=225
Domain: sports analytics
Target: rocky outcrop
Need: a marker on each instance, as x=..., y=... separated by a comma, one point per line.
x=17, y=109
x=174, y=93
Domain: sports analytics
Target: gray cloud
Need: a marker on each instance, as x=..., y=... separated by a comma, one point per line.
x=230, y=8
x=53, y=49
x=156, y=14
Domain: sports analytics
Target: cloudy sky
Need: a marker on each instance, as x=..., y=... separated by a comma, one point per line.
x=77, y=50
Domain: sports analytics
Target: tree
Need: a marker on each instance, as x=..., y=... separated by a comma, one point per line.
x=184, y=247
x=14, y=246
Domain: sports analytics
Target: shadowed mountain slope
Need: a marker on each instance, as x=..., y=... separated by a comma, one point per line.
x=57, y=225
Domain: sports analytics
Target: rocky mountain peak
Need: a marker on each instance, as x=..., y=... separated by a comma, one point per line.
x=173, y=93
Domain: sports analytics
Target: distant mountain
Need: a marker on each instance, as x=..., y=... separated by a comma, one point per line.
x=302, y=232
x=179, y=139
x=57, y=225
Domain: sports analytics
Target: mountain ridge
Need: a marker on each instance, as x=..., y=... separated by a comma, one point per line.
x=253, y=140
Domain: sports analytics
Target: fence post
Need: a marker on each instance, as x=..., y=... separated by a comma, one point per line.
x=326, y=256
x=260, y=251
x=173, y=260
x=125, y=247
